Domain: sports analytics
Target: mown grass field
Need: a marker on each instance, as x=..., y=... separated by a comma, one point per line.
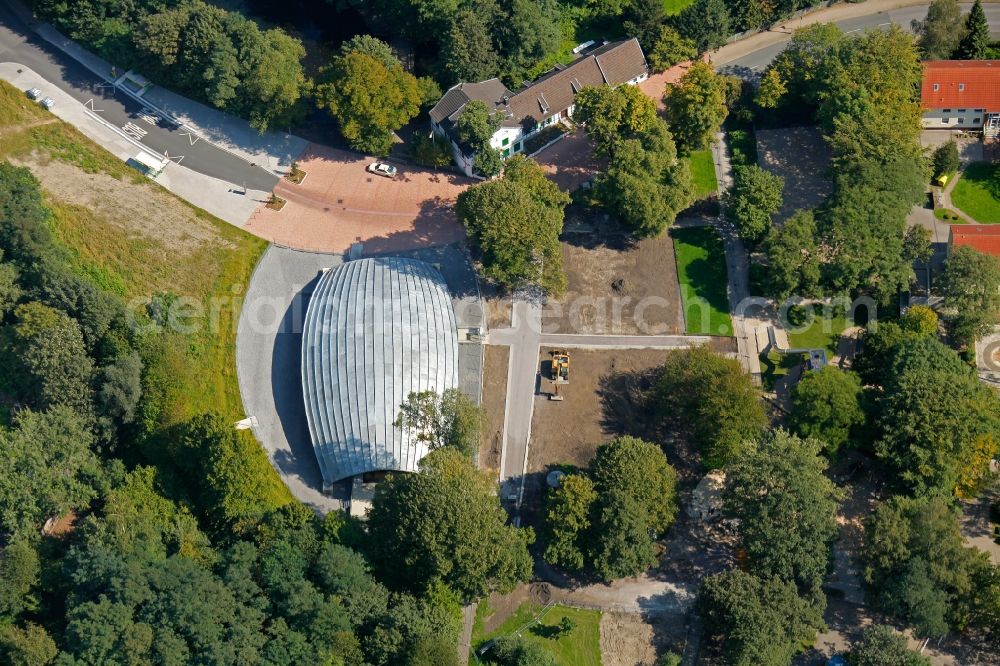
x=977, y=192
x=133, y=238
x=580, y=647
x=703, y=173
x=701, y=271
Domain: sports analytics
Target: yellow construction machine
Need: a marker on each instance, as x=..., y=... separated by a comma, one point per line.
x=559, y=369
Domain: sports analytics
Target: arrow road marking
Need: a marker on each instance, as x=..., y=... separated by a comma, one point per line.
x=192, y=138
x=134, y=131
x=90, y=105
x=148, y=115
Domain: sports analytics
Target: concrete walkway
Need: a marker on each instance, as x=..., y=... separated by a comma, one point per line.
x=525, y=338
x=737, y=270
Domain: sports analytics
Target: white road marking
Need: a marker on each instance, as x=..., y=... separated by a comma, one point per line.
x=134, y=131
x=192, y=138
x=149, y=115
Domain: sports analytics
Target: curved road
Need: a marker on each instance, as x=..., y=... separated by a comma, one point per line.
x=749, y=56
x=21, y=45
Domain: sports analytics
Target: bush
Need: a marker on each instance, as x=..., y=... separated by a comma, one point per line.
x=430, y=151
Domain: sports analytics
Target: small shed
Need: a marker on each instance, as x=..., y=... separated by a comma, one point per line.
x=147, y=164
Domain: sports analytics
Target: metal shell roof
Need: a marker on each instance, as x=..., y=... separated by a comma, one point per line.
x=375, y=331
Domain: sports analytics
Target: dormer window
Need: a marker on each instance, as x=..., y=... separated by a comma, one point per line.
x=961, y=87
x=936, y=87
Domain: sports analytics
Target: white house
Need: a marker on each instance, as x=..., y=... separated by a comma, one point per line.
x=540, y=103
x=961, y=94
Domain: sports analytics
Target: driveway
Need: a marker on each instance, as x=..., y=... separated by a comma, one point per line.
x=339, y=203
x=570, y=161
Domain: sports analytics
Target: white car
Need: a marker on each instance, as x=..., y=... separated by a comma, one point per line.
x=48, y=102
x=382, y=169
x=34, y=93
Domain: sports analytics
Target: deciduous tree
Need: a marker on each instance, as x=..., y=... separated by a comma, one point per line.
x=446, y=524
x=669, y=48
x=936, y=417
x=793, y=258
x=710, y=396
x=881, y=645
x=753, y=198
x=515, y=223
x=970, y=284
x=787, y=510
x=568, y=511
x=369, y=100
x=759, y=621
x=826, y=405
x=939, y=34
x=696, y=107
x=445, y=419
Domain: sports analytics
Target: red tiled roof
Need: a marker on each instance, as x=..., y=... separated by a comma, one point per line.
x=982, y=237
x=966, y=84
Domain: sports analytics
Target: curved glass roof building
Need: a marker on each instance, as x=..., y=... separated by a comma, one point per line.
x=375, y=331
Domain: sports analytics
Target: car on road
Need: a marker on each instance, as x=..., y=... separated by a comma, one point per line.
x=48, y=102
x=34, y=93
x=382, y=169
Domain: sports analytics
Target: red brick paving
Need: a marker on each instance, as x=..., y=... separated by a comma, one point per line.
x=339, y=203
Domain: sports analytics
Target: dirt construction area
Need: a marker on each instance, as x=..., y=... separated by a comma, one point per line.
x=802, y=158
x=626, y=640
x=602, y=398
x=616, y=287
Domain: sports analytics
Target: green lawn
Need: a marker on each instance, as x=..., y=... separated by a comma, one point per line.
x=823, y=332
x=581, y=647
x=703, y=173
x=701, y=271
x=671, y=7
x=948, y=215
x=977, y=192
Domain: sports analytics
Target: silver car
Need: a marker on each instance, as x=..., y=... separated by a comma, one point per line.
x=382, y=169
x=48, y=103
x=34, y=93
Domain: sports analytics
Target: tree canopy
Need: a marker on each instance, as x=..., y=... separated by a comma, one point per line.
x=758, y=621
x=515, y=222
x=712, y=398
x=939, y=34
x=445, y=524
x=940, y=425
x=753, y=198
x=369, y=99
x=787, y=510
x=970, y=284
x=696, y=107
x=826, y=405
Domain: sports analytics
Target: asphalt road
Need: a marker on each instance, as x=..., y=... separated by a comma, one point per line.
x=753, y=63
x=19, y=44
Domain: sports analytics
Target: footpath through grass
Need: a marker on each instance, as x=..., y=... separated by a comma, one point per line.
x=580, y=647
x=703, y=173
x=977, y=192
x=701, y=271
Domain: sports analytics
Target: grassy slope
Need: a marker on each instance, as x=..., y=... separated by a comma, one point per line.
x=703, y=173
x=581, y=647
x=977, y=192
x=195, y=371
x=701, y=270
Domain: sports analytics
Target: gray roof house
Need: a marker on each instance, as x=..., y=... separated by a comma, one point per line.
x=538, y=104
